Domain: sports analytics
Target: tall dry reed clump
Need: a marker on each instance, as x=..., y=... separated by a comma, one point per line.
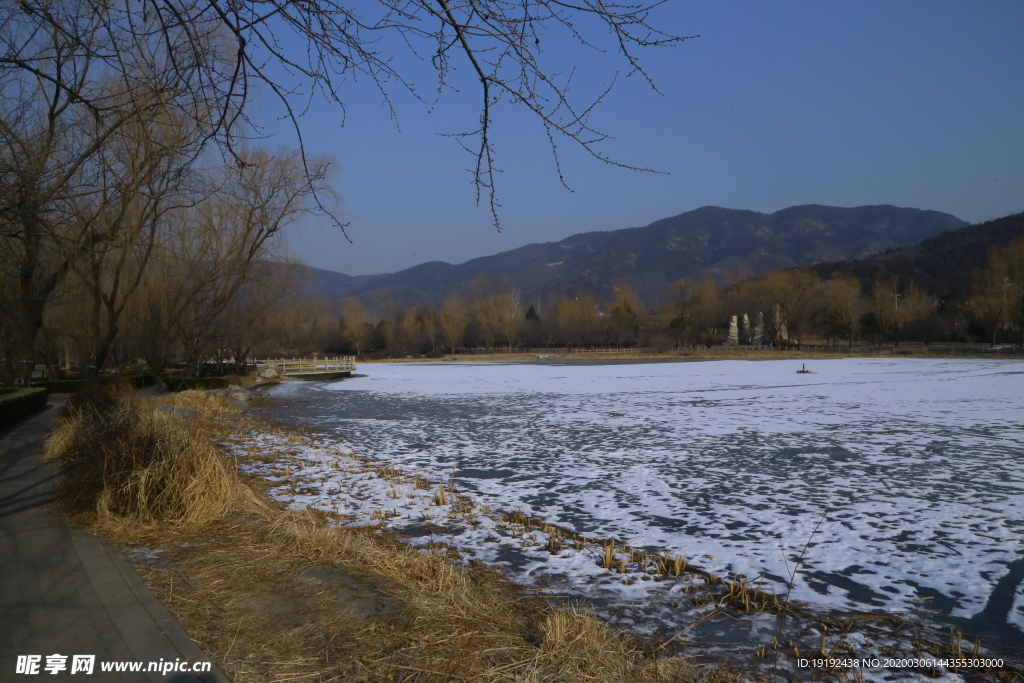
x=124, y=462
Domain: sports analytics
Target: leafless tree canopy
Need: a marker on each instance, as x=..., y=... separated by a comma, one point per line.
x=226, y=50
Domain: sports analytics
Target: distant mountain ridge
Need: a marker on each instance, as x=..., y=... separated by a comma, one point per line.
x=939, y=264
x=711, y=241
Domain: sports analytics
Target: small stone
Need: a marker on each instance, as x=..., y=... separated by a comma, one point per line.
x=239, y=394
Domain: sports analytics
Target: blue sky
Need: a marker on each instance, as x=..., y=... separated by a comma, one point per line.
x=910, y=103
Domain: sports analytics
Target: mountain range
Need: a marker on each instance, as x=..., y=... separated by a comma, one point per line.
x=939, y=264
x=723, y=244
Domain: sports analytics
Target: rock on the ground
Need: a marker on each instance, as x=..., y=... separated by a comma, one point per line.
x=266, y=373
x=239, y=394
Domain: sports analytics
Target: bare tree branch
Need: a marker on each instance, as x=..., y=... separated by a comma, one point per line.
x=301, y=48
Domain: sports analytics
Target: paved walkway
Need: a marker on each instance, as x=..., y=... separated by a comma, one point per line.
x=66, y=592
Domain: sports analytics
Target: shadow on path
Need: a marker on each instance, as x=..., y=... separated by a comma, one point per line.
x=67, y=592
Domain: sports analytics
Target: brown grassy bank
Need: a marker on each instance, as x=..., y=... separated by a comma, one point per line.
x=272, y=595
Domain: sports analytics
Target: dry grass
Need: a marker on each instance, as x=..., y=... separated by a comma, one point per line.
x=456, y=623
x=207, y=406
x=235, y=566
x=125, y=463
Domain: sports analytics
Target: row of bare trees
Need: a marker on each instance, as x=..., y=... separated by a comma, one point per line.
x=792, y=307
x=121, y=234
x=890, y=309
x=185, y=277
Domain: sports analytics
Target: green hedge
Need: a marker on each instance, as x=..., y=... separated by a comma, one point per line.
x=20, y=403
x=185, y=383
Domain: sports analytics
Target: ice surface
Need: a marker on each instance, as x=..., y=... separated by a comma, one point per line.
x=1016, y=616
x=912, y=471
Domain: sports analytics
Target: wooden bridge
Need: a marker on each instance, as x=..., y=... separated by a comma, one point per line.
x=327, y=367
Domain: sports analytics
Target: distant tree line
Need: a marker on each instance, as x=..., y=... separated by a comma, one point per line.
x=784, y=309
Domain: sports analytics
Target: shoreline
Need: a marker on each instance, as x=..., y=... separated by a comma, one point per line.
x=393, y=596
x=275, y=577
x=908, y=351
x=885, y=630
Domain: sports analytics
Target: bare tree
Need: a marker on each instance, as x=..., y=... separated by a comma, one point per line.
x=291, y=51
x=843, y=298
x=216, y=249
x=356, y=323
x=249, y=318
x=790, y=301
x=144, y=169
x=61, y=107
x=430, y=325
x=453, y=319
x=896, y=305
x=693, y=309
x=623, y=318
x=392, y=313
x=1011, y=260
x=411, y=330
x=999, y=289
x=579, y=317
x=487, y=311
x=510, y=316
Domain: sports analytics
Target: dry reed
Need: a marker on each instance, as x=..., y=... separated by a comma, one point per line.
x=126, y=463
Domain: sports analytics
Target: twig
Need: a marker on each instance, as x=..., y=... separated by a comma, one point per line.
x=184, y=579
x=513, y=665
x=410, y=668
x=789, y=590
x=233, y=639
x=700, y=621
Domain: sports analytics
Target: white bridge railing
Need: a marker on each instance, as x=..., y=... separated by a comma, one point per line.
x=309, y=366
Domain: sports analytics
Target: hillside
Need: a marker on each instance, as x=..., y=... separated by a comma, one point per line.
x=725, y=244
x=331, y=284
x=939, y=264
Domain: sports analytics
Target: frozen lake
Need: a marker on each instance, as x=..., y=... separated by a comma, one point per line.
x=914, y=468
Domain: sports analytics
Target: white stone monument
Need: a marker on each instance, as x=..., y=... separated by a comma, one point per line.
x=734, y=333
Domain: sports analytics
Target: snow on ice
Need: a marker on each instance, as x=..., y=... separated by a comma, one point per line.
x=911, y=470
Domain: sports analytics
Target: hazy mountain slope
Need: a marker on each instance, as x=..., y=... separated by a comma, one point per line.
x=939, y=264
x=710, y=241
x=330, y=284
